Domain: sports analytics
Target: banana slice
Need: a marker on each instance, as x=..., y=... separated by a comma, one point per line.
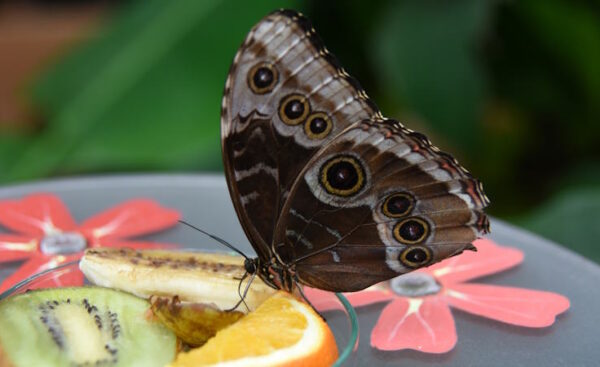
x=208, y=278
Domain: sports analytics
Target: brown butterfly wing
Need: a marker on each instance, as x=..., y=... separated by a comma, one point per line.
x=285, y=97
x=378, y=201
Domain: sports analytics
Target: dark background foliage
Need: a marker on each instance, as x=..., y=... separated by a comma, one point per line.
x=512, y=88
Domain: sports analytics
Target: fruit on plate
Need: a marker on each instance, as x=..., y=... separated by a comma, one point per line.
x=283, y=331
x=84, y=326
x=194, y=323
x=208, y=278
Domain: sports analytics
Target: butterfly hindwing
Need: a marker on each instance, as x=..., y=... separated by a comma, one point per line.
x=378, y=201
x=285, y=98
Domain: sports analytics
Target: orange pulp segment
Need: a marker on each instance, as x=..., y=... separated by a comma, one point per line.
x=281, y=332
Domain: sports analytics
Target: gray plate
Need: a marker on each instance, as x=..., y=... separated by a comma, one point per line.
x=204, y=200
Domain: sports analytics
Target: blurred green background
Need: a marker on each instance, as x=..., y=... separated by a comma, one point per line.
x=512, y=88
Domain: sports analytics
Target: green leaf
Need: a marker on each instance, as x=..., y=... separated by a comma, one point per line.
x=571, y=219
x=146, y=95
x=570, y=32
x=11, y=146
x=426, y=54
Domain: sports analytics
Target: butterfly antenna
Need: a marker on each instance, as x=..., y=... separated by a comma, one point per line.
x=218, y=239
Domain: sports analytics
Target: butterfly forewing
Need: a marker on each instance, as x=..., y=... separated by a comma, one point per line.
x=285, y=97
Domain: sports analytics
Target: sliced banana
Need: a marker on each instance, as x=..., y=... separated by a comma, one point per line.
x=196, y=277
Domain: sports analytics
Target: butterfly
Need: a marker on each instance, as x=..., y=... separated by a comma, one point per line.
x=330, y=193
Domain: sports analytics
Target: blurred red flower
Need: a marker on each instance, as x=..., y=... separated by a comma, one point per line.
x=46, y=235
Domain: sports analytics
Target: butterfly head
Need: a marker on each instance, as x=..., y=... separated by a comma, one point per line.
x=250, y=265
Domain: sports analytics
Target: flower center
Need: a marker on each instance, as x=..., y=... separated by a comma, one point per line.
x=415, y=285
x=63, y=243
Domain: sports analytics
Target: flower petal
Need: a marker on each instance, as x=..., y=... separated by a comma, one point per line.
x=16, y=247
x=423, y=324
x=41, y=263
x=36, y=215
x=490, y=258
x=369, y=296
x=322, y=300
x=136, y=245
x=131, y=218
x=517, y=306
x=69, y=277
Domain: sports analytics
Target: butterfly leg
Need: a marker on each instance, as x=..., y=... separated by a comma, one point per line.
x=243, y=296
x=299, y=287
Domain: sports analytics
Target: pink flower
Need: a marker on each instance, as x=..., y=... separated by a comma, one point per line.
x=46, y=235
x=418, y=315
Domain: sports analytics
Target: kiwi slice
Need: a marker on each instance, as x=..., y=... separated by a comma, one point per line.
x=84, y=326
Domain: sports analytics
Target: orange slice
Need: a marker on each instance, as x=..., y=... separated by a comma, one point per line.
x=281, y=332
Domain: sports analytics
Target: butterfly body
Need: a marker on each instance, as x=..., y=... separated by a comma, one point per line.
x=330, y=193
